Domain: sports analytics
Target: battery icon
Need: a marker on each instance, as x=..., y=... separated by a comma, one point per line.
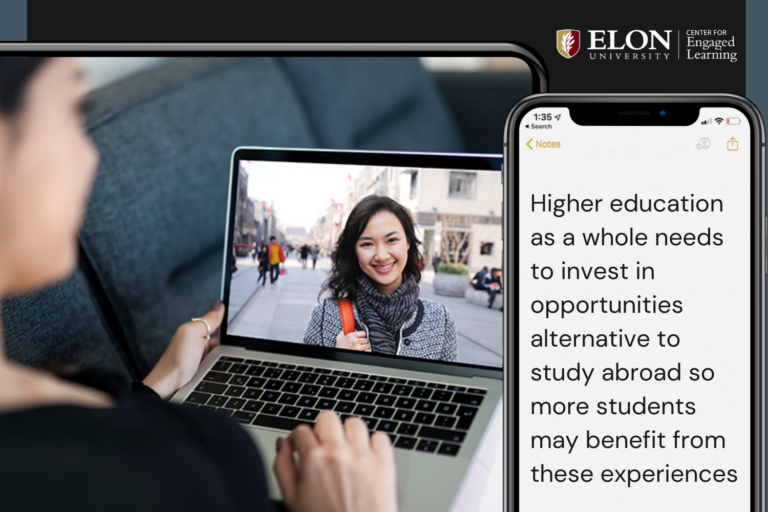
x=733, y=120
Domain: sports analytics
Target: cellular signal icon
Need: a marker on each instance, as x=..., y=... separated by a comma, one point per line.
x=707, y=121
x=718, y=120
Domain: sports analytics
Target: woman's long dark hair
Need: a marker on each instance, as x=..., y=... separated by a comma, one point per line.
x=343, y=281
x=15, y=72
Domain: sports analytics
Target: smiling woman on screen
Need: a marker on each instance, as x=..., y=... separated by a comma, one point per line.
x=377, y=272
x=91, y=441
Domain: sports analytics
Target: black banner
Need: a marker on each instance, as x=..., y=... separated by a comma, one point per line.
x=645, y=47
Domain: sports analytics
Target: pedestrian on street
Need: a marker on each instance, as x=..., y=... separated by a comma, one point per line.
x=263, y=265
x=482, y=280
x=276, y=257
x=304, y=255
x=254, y=252
x=377, y=270
x=315, y=255
x=494, y=287
x=436, y=261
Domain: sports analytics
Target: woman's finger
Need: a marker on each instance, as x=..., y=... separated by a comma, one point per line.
x=381, y=444
x=286, y=472
x=213, y=343
x=303, y=438
x=357, y=433
x=209, y=345
x=329, y=429
x=214, y=317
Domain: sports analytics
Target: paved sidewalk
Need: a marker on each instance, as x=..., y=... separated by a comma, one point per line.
x=242, y=286
x=282, y=313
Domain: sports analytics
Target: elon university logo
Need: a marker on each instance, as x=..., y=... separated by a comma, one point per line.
x=568, y=42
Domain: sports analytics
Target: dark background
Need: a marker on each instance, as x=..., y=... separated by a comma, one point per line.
x=757, y=54
x=532, y=23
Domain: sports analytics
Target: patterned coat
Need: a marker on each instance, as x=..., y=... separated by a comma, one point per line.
x=429, y=333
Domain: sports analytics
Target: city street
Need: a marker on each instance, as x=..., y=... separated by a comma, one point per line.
x=282, y=313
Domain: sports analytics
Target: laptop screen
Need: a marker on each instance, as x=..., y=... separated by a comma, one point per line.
x=414, y=253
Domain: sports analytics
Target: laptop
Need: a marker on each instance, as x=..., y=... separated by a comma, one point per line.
x=273, y=371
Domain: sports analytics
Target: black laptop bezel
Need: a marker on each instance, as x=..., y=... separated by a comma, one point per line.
x=479, y=162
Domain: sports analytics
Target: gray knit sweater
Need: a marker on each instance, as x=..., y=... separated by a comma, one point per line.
x=428, y=334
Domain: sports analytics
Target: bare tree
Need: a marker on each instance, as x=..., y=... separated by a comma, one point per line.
x=455, y=238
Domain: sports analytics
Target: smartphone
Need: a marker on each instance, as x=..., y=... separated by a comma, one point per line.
x=635, y=238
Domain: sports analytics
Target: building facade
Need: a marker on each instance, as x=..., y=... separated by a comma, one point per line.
x=457, y=213
x=255, y=221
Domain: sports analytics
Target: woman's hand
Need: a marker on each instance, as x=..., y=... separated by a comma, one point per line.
x=353, y=341
x=339, y=469
x=184, y=354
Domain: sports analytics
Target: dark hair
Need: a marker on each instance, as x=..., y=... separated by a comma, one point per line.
x=272, y=238
x=15, y=73
x=343, y=281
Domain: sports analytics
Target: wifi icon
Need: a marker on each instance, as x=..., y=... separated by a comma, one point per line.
x=718, y=120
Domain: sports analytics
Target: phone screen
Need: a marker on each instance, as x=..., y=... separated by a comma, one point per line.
x=634, y=327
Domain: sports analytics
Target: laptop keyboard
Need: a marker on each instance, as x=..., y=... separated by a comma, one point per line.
x=417, y=415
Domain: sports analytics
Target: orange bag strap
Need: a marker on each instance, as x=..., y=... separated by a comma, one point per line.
x=347, y=316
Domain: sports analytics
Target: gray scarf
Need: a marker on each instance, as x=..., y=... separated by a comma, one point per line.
x=384, y=315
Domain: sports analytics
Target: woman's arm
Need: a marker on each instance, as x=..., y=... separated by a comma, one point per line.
x=451, y=346
x=184, y=354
